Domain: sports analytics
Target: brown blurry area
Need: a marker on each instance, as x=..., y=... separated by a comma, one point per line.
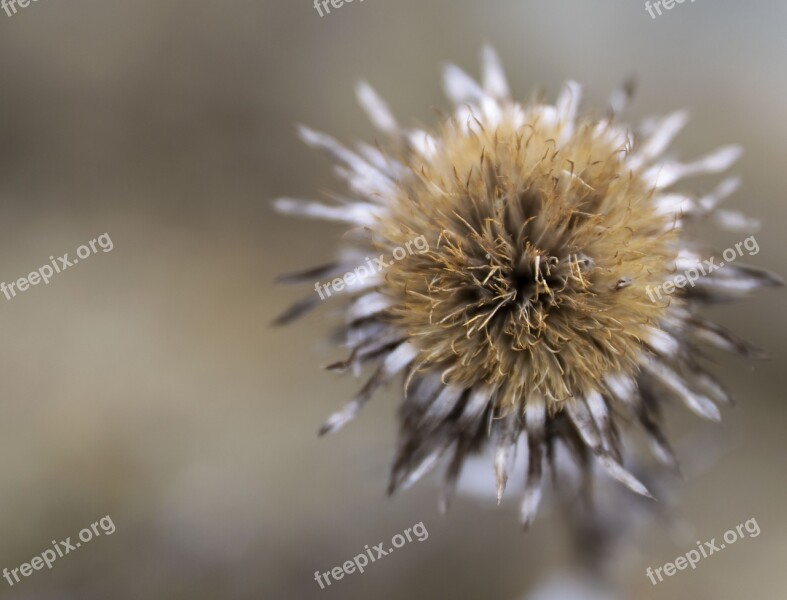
x=148, y=384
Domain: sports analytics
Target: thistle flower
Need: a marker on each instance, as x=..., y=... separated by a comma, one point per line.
x=529, y=313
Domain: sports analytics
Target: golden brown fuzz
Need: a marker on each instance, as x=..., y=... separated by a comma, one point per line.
x=538, y=263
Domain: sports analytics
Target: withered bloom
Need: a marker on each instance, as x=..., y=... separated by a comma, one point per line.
x=533, y=309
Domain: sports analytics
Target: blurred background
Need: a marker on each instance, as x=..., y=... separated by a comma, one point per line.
x=148, y=384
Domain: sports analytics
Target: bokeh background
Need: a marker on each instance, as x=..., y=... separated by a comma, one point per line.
x=148, y=384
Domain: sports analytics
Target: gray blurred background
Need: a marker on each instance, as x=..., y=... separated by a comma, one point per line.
x=148, y=384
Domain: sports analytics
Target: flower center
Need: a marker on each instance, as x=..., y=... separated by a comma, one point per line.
x=527, y=249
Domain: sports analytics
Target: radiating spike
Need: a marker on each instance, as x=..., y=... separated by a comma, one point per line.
x=676, y=205
x=357, y=213
x=568, y=102
x=423, y=467
x=580, y=416
x=339, y=419
x=363, y=176
x=649, y=415
x=659, y=444
x=368, y=305
x=313, y=274
x=623, y=388
x=724, y=190
x=422, y=142
x=742, y=277
x=394, y=362
x=733, y=220
x=423, y=392
x=659, y=140
x=493, y=76
x=600, y=414
x=452, y=475
x=533, y=491
x=508, y=435
x=369, y=349
x=665, y=174
x=535, y=423
x=477, y=401
x=620, y=97
x=415, y=457
x=442, y=406
x=697, y=403
x=362, y=332
x=376, y=109
x=329, y=144
x=719, y=337
x=579, y=451
x=615, y=470
x=712, y=386
x=662, y=342
x=460, y=87
x=333, y=147
x=382, y=162
x=566, y=110
x=298, y=309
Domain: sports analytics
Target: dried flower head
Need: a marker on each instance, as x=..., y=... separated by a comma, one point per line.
x=531, y=311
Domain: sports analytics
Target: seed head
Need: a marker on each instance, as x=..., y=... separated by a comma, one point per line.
x=539, y=258
x=531, y=308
